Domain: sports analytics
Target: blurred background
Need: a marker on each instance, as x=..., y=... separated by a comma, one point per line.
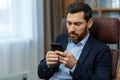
x=27, y=27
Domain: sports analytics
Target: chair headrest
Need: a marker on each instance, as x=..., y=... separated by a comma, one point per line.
x=104, y=29
x=63, y=26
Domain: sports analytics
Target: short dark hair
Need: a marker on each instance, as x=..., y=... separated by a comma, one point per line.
x=78, y=7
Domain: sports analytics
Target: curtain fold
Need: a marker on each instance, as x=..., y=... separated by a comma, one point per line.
x=52, y=20
x=19, y=40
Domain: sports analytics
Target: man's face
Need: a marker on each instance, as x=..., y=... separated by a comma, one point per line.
x=77, y=26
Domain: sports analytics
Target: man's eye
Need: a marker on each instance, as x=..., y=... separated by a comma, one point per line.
x=69, y=23
x=77, y=24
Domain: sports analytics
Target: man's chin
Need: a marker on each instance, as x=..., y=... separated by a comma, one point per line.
x=73, y=38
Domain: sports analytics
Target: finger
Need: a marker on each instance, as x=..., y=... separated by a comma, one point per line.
x=52, y=59
x=60, y=53
x=63, y=58
x=62, y=61
x=51, y=63
x=51, y=56
x=67, y=52
x=51, y=52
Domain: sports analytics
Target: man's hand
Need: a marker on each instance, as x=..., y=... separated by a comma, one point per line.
x=51, y=58
x=67, y=59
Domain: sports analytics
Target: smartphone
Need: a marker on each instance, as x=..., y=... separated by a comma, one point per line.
x=56, y=46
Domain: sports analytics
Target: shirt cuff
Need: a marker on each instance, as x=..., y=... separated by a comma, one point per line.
x=72, y=70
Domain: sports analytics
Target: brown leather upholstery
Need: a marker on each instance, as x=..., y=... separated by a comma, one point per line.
x=114, y=54
x=63, y=26
x=106, y=30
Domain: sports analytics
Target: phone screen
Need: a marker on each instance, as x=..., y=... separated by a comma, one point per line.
x=56, y=46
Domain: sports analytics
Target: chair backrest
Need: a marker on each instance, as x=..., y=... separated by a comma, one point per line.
x=106, y=30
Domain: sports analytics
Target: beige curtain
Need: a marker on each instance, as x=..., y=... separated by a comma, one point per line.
x=52, y=20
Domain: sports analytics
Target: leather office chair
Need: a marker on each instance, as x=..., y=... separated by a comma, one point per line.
x=106, y=30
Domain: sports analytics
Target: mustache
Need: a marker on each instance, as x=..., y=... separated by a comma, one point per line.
x=73, y=32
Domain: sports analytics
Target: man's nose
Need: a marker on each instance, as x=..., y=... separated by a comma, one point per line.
x=72, y=27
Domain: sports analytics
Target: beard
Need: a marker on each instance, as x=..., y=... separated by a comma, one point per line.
x=76, y=38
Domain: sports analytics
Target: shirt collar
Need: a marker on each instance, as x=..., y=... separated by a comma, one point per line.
x=82, y=42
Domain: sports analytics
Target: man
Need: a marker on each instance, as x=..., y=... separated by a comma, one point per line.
x=84, y=58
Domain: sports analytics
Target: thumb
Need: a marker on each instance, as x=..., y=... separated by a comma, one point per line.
x=67, y=52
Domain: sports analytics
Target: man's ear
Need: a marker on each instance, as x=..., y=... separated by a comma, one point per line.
x=90, y=22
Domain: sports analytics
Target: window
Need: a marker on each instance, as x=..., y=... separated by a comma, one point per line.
x=15, y=19
x=4, y=17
